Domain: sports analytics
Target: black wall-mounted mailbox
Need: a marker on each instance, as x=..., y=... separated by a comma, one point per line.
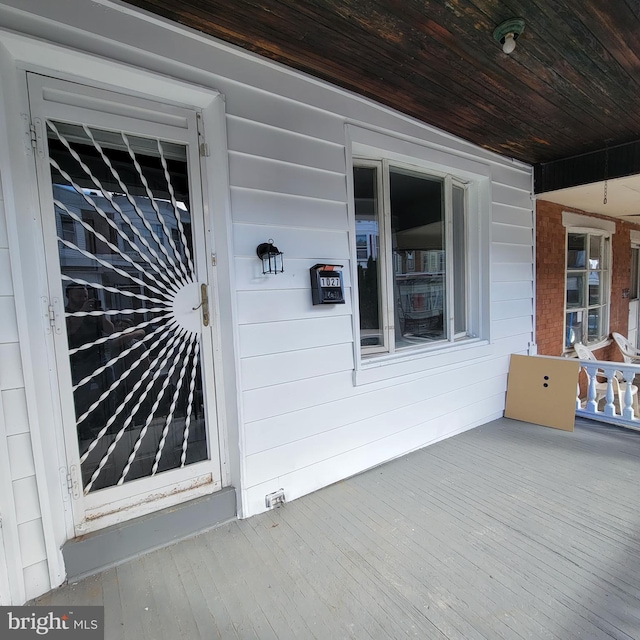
x=326, y=284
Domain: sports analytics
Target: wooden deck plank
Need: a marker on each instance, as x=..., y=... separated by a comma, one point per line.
x=506, y=532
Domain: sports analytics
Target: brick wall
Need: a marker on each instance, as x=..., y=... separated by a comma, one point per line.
x=550, y=265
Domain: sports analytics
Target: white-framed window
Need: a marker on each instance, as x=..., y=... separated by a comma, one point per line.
x=413, y=291
x=587, y=286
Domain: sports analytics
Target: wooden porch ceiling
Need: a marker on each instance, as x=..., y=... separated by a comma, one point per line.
x=571, y=86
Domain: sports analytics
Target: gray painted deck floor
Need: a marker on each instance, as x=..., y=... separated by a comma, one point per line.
x=507, y=531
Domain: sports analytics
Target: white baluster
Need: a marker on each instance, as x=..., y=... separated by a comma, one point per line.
x=578, y=403
x=609, y=407
x=592, y=403
x=627, y=410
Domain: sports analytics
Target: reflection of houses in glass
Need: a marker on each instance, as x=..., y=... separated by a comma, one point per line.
x=101, y=222
x=419, y=276
x=367, y=241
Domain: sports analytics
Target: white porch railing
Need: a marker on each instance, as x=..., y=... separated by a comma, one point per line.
x=611, y=396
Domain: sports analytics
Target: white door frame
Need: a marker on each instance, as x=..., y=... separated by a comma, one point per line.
x=149, y=79
x=217, y=214
x=73, y=102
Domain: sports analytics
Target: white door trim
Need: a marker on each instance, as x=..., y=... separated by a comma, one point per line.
x=18, y=172
x=57, y=100
x=12, y=587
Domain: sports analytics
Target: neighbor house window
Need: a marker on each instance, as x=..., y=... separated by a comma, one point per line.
x=587, y=288
x=412, y=281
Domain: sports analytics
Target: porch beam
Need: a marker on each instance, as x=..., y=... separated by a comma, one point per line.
x=606, y=163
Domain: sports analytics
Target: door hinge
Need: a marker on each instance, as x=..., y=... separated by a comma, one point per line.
x=51, y=315
x=72, y=482
x=202, y=146
x=34, y=134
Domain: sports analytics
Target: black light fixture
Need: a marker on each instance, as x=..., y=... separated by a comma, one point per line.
x=271, y=257
x=508, y=32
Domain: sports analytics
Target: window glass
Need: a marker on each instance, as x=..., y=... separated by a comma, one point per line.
x=587, y=288
x=576, y=251
x=417, y=227
x=411, y=245
x=575, y=289
x=574, y=328
x=365, y=182
x=459, y=261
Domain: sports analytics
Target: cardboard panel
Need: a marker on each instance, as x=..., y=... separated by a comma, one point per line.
x=542, y=391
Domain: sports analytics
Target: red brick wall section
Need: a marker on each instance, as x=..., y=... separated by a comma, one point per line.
x=550, y=265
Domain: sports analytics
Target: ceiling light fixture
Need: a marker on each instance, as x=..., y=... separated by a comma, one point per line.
x=508, y=32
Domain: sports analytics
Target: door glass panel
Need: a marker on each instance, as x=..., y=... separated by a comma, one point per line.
x=125, y=249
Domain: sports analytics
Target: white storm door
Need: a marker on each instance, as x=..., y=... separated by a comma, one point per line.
x=125, y=244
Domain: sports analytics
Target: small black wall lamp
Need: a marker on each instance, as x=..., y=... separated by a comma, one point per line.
x=271, y=257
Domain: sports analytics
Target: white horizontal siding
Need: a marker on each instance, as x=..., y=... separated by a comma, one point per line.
x=294, y=243
x=515, y=272
x=36, y=579
x=512, y=215
x=264, y=371
x=501, y=253
x=370, y=401
x=25, y=491
x=521, y=308
x=260, y=340
x=266, y=107
x=505, y=233
x=330, y=470
x=8, y=321
x=14, y=403
x=512, y=196
x=511, y=176
x=522, y=290
x=253, y=172
x=6, y=286
x=511, y=327
x=249, y=276
x=257, y=139
x=303, y=453
x=21, y=456
x=11, y=369
x=256, y=307
x=283, y=209
x=32, y=544
x=16, y=431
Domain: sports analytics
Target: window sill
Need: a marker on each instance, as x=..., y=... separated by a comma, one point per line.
x=380, y=367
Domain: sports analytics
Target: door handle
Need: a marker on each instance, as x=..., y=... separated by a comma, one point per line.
x=204, y=303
